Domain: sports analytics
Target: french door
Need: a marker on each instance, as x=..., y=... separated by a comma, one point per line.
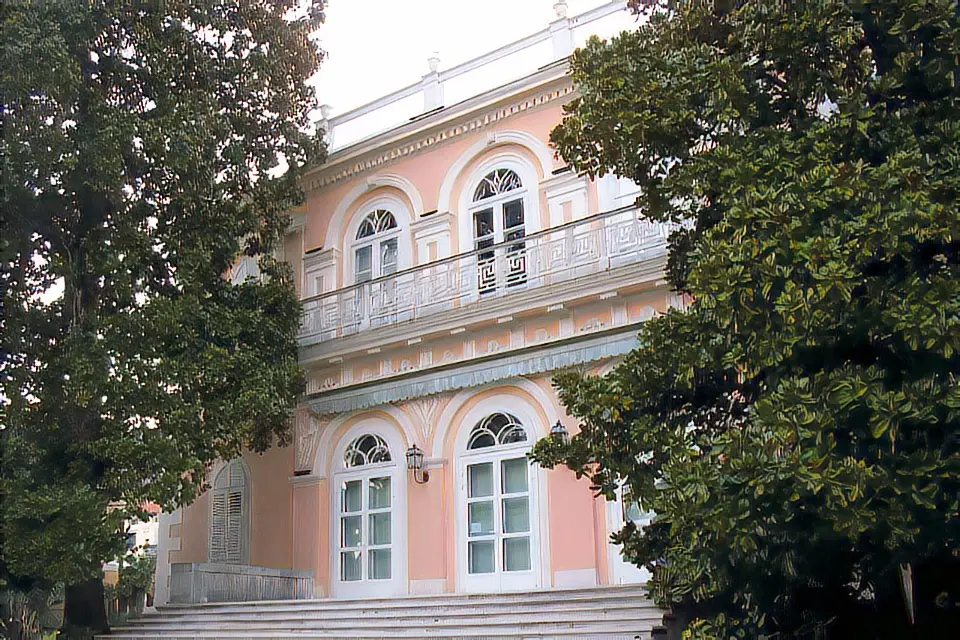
x=620, y=511
x=506, y=266
x=366, y=562
x=498, y=512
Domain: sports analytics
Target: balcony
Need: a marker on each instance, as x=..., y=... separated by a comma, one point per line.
x=569, y=254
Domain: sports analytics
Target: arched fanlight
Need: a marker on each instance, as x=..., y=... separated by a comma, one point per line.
x=377, y=222
x=367, y=449
x=496, y=182
x=497, y=429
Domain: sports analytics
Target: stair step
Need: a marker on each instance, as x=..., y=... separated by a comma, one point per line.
x=572, y=635
x=603, y=613
x=532, y=617
x=605, y=632
x=441, y=610
x=520, y=597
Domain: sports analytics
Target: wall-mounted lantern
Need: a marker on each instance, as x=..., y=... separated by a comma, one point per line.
x=415, y=463
x=559, y=432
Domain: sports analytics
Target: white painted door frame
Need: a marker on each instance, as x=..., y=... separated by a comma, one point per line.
x=500, y=580
x=621, y=571
x=365, y=587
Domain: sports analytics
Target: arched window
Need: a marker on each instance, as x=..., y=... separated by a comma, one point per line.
x=230, y=515
x=375, y=249
x=497, y=182
x=498, y=217
x=496, y=429
x=367, y=525
x=367, y=449
x=498, y=533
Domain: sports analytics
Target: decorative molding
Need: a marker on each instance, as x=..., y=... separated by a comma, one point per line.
x=479, y=122
x=307, y=429
x=456, y=376
x=424, y=412
x=456, y=321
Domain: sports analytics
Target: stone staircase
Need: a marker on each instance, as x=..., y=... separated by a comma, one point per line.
x=603, y=613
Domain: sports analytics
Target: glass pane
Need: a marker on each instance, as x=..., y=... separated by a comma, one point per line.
x=480, y=518
x=380, y=528
x=481, y=557
x=514, y=475
x=513, y=433
x=364, y=262
x=513, y=216
x=482, y=224
x=388, y=257
x=350, y=569
x=480, y=479
x=350, y=532
x=379, y=497
x=516, y=515
x=482, y=440
x=351, y=495
x=379, y=564
x=516, y=554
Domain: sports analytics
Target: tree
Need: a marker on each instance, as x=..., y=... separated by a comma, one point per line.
x=796, y=428
x=143, y=154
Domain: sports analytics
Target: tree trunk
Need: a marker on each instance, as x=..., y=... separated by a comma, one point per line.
x=84, y=611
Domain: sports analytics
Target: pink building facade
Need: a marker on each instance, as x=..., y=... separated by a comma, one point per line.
x=449, y=266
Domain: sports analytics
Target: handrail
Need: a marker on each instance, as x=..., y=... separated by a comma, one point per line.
x=560, y=254
x=466, y=254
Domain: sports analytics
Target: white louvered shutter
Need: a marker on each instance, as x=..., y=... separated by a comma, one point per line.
x=218, y=528
x=234, y=530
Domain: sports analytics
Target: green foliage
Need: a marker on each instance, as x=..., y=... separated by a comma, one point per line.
x=796, y=429
x=28, y=615
x=140, y=148
x=136, y=575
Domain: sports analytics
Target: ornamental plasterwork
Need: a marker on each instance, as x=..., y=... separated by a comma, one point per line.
x=424, y=412
x=307, y=430
x=448, y=133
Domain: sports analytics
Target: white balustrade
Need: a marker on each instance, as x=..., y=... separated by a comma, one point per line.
x=551, y=257
x=523, y=56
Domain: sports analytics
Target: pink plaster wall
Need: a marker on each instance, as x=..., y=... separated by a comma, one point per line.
x=193, y=532
x=306, y=526
x=293, y=254
x=572, y=522
x=311, y=546
x=271, y=514
x=427, y=172
x=428, y=527
x=272, y=507
x=322, y=572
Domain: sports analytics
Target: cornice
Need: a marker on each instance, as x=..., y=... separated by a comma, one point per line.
x=547, y=85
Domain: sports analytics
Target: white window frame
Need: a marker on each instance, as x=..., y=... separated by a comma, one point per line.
x=241, y=555
x=341, y=474
x=376, y=242
x=621, y=571
x=487, y=282
x=401, y=214
x=530, y=194
x=528, y=417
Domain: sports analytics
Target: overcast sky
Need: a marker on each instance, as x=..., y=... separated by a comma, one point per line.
x=376, y=46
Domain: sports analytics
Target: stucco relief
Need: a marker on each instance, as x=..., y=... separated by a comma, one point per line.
x=480, y=121
x=307, y=429
x=424, y=412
